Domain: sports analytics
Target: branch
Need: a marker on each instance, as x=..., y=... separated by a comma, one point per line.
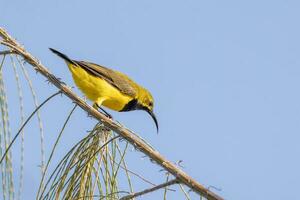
x=116, y=127
x=163, y=185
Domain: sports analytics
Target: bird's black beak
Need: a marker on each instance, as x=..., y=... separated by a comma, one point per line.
x=153, y=117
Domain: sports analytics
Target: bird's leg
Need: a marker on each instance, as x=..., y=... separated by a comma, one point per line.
x=106, y=113
x=95, y=105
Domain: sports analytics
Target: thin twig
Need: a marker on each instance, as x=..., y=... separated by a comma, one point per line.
x=109, y=123
x=101, y=196
x=138, y=175
x=22, y=117
x=163, y=185
x=166, y=188
x=5, y=166
x=6, y=134
x=185, y=193
x=6, y=52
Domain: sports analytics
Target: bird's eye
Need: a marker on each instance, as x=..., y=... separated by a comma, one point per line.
x=150, y=104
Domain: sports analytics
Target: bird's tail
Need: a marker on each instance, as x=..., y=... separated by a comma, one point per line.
x=63, y=56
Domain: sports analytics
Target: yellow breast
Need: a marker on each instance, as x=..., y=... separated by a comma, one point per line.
x=98, y=90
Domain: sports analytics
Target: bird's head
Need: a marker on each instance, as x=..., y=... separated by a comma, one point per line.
x=146, y=103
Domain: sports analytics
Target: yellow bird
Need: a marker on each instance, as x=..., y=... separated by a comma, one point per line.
x=108, y=87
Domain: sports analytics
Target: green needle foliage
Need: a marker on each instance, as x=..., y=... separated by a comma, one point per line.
x=89, y=169
x=7, y=174
x=5, y=137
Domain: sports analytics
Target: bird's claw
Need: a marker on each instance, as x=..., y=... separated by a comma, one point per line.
x=60, y=80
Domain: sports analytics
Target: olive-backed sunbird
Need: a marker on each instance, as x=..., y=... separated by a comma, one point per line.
x=108, y=87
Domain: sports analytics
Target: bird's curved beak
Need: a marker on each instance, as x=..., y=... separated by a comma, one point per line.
x=153, y=117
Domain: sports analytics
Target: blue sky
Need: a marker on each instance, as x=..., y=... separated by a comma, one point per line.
x=224, y=75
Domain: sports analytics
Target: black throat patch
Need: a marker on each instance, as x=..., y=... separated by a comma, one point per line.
x=131, y=105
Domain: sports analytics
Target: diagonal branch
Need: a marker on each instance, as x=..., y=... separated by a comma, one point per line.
x=116, y=127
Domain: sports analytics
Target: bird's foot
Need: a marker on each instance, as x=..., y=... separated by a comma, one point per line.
x=107, y=114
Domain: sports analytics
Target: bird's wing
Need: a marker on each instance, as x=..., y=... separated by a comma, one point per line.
x=116, y=79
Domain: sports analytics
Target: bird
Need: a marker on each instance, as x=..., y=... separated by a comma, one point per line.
x=109, y=88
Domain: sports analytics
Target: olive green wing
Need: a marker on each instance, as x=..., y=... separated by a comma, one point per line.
x=116, y=79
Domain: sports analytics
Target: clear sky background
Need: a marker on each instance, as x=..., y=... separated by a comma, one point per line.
x=224, y=75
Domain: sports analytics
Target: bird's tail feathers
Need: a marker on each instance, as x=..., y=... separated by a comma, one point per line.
x=63, y=56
